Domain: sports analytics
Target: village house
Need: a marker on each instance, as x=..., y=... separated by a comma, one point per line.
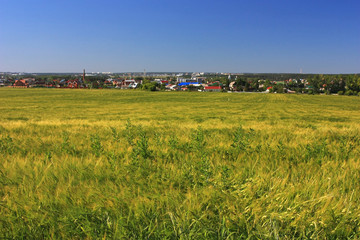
x=23, y=83
x=39, y=83
x=268, y=89
x=72, y=83
x=128, y=83
x=109, y=83
x=199, y=79
x=171, y=87
x=212, y=89
x=232, y=86
x=157, y=80
x=195, y=84
x=52, y=84
x=165, y=82
x=2, y=82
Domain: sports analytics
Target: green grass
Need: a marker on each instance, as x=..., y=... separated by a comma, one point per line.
x=113, y=164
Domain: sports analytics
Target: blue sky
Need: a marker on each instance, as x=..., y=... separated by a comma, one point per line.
x=189, y=35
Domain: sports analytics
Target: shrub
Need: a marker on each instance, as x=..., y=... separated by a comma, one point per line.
x=349, y=93
x=150, y=86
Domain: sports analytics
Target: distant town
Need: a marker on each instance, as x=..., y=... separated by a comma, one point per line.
x=341, y=84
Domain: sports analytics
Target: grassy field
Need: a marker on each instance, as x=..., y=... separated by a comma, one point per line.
x=113, y=164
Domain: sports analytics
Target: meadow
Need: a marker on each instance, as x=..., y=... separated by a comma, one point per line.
x=118, y=164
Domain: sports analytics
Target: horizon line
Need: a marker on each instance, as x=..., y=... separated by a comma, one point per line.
x=218, y=72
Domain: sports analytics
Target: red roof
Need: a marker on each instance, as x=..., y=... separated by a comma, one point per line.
x=212, y=87
x=22, y=82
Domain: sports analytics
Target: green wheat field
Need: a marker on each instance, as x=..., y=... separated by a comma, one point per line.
x=118, y=164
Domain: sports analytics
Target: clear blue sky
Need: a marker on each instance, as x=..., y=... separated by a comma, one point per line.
x=319, y=36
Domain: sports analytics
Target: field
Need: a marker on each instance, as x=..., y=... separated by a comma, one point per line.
x=117, y=164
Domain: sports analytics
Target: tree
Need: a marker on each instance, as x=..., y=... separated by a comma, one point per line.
x=247, y=86
x=150, y=86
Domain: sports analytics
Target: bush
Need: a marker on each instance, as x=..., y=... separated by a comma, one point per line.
x=149, y=86
x=340, y=93
x=94, y=85
x=349, y=93
x=280, y=89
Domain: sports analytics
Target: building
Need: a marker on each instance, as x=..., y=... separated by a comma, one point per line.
x=128, y=83
x=23, y=83
x=212, y=89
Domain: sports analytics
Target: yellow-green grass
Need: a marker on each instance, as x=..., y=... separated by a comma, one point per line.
x=115, y=164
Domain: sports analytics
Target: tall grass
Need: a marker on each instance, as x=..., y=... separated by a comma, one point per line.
x=104, y=164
